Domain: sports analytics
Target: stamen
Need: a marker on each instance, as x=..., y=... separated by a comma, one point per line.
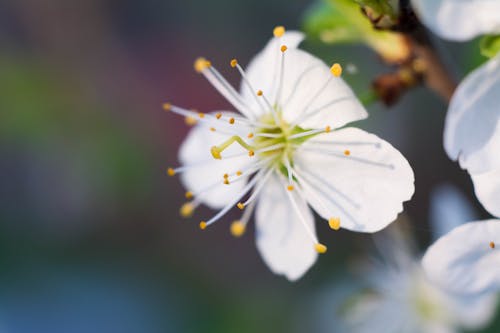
x=350, y=158
x=303, y=222
x=238, y=228
x=492, y=245
x=204, y=67
x=320, y=248
x=327, y=129
x=234, y=63
x=347, y=152
x=171, y=172
x=336, y=70
x=279, y=31
x=269, y=106
x=187, y=209
x=288, y=167
x=237, y=198
x=189, y=195
x=334, y=223
x=258, y=188
x=314, y=189
x=190, y=121
x=167, y=106
x=201, y=64
x=231, y=120
x=203, y=225
x=240, y=205
x=281, y=75
x=218, y=115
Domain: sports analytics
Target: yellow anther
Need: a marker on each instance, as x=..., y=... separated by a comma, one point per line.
x=251, y=153
x=259, y=92
x=290, y=188
x=190, y=121
x=187, y=210
x=226, y=181
x=201, y=115
x=320, y=248
x=218, y=115
x=231, y=120
x=239, y=173
x=201, y=64
x=189, y=195
x=170, y=172
x=347, y=152
x=492, y=245
x=237, y=228
x=234, y=62
x=336, y=70
x=215, y=153
x=167, y=106
x=328, y=129
x=279, y=31
x=225, y=176
x=203, y=225
x=250, y=135
x=283, y=48
x=334, y=223
x=240, y=206
x=212, y=129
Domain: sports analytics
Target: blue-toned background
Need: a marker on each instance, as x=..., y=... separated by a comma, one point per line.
x=90, y=235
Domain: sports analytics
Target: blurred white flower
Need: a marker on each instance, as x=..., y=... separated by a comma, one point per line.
x=287, y=150
x=396, y=296
x=459, y=20
x=472, y=127
x=467, y=259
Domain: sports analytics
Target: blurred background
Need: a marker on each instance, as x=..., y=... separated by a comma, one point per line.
x=90, y=235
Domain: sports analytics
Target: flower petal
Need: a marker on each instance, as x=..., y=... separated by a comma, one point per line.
x=365, y=189
x=487, y=188
x=472, y=127
x=281, y=238
x=304, y=86
x=195, y=151
x=458, y=19
x=262, y=71
x=463, y=261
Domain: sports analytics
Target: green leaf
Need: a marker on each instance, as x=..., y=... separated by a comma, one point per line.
x=342, y=21
x=490, y=45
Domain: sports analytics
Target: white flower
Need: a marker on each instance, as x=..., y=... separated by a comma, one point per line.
x=467, y=259
x=472, y=127
x=287, y=150
x=396, y=296
x=459, y=20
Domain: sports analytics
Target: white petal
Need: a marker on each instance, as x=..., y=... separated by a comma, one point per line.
x=304, y=77
x=281, y=238
x=472, y=127
x=487, y=188
x=449, y=208
x=262, y=71
x=459, y=19
x=463, y=261
x=195, y=150
x=367, y=189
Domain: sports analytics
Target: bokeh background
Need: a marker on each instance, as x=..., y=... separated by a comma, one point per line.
x=90, y=235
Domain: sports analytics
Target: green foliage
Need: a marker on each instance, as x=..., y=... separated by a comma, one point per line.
x=490, y=45
x=342, y=21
